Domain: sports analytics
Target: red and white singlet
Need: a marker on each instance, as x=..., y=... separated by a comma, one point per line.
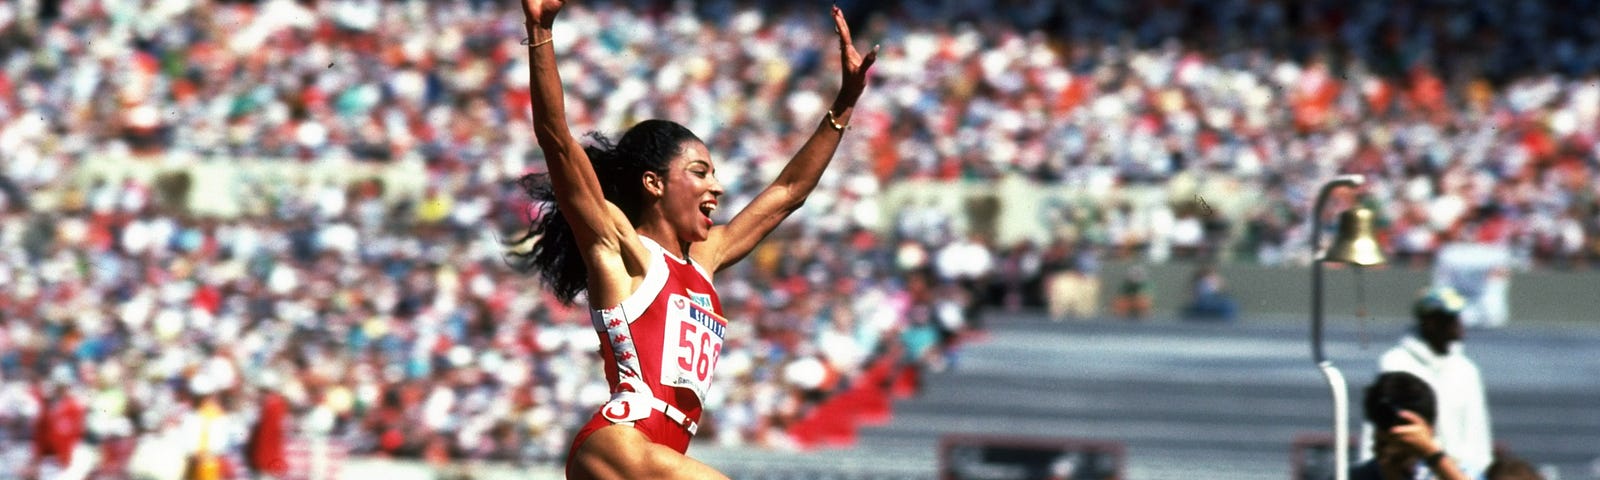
x=660, y=346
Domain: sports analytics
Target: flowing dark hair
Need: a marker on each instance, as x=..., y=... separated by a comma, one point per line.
x=647, y=147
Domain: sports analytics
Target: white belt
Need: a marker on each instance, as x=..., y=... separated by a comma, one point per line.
x=673, y=413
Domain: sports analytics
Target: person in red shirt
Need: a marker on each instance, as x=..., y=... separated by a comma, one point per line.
x=266, y=448
x=631, y=228
x=57, y=431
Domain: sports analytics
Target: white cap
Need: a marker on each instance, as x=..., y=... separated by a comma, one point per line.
x=202, y=384
x=269, y=379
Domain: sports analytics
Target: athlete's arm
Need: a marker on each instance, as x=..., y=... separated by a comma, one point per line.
x=601, y=230
x=728, y=244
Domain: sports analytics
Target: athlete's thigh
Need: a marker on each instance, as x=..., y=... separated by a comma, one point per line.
x=620, y=452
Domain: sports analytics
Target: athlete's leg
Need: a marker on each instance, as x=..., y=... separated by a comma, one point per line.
x=620, y=452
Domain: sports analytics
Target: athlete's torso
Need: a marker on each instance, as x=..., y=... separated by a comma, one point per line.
x=663, y=341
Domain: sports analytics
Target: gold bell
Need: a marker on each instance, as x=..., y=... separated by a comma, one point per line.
x=1355, y=244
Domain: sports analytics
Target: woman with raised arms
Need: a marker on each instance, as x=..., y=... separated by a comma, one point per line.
x=632, y=230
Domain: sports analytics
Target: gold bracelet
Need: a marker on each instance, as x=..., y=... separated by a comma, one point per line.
x=537, y=45
x=833, y=121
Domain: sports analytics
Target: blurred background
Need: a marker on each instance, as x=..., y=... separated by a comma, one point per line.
x=268, y=238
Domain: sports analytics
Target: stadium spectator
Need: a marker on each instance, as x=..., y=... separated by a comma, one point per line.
x=269, y=434
x=1209, y=299
x=58, y=447
x=1069, y=291
x=968, y=263
x=1016, y=280
x=1134, y=298
x=209, y=432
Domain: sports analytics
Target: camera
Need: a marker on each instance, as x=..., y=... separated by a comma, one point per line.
x=1387, y=415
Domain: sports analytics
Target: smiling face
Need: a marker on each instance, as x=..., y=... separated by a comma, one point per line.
x=688, y=192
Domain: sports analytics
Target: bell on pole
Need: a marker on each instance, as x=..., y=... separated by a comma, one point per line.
x=1355, y=244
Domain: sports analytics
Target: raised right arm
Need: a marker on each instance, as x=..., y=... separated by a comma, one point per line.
x=601, y=230
x=576, y=187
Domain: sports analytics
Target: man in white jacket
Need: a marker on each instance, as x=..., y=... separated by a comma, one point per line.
x=1433, y=353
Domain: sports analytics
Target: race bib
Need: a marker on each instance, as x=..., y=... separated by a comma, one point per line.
x=692, y=344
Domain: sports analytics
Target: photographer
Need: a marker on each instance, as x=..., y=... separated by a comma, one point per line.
x=1401, y=409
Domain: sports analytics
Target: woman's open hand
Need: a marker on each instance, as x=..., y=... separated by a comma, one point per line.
x=854, y=65
x=541, y=12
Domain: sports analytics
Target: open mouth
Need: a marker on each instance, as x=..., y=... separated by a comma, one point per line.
x=706, y=208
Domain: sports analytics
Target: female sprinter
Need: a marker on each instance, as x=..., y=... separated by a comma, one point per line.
x=632, y=228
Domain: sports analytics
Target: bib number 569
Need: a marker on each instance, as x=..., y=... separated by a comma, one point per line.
x=693, y=357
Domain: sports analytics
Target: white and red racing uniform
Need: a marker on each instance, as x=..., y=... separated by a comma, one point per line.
x=660, y=346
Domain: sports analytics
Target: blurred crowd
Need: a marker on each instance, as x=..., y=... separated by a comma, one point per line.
x=1474, y=121
x=392, y=325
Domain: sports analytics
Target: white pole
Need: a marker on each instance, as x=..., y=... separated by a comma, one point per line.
x=1341, y=428
x=1341, y=407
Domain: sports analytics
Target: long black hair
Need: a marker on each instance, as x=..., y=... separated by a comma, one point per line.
x=647, y=147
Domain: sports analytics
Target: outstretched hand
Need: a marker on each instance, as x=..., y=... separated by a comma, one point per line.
x=541, y=12
x=854, y=65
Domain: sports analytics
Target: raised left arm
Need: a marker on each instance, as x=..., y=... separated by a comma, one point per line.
x=728, y=244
